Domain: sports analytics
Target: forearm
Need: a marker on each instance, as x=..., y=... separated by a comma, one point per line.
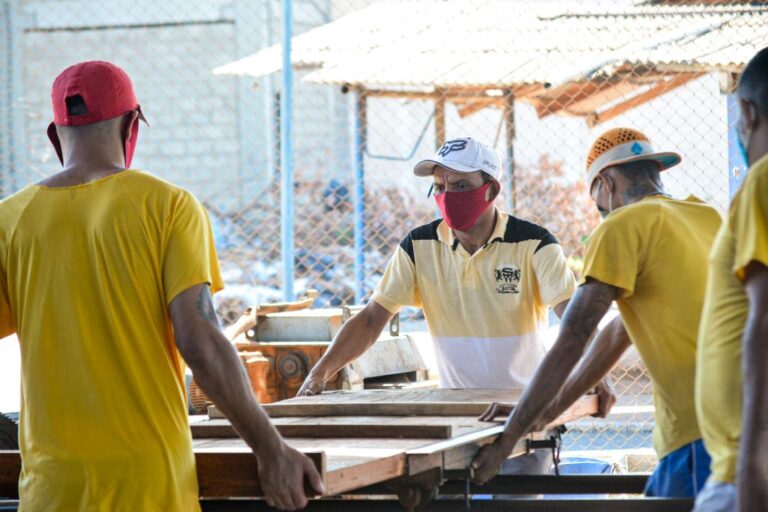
x=582, y=316
x=353, y=339
x=603, y=353
x=220, y=373
x=544, y=387
x=753, y=469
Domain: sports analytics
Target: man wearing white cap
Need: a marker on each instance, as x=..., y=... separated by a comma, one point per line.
x=484, y=279
x=650, y=256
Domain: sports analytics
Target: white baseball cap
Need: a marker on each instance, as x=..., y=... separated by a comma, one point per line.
x=463, y=155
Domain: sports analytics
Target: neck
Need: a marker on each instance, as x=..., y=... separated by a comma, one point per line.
x=82, y=165
x=636, y=193
x=478, y=236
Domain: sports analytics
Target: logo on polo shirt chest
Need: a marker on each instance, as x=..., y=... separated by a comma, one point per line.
x=507, y=279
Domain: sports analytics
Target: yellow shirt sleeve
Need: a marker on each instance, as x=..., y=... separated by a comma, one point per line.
x=615, y=252
x=190, y=255
x=749, y=222
x=397, y=287
x=555, y=279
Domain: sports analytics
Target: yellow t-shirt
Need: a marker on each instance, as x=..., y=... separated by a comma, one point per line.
x=485, y=311
x=656, y=251
x=86, y=274
x=742, y=239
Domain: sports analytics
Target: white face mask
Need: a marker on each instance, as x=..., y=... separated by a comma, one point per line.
x=603, y=212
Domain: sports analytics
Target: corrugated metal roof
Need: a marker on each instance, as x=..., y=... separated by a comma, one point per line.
x=455, y=43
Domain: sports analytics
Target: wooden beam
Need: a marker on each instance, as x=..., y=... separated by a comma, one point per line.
x=282, y=410
x=554, y=101
x=10, y=469
x=476, y=106
x=219, y=473
x=235, y=474
x=439, y=120
x=636, y=101
x=594, y=102
x=222, y=429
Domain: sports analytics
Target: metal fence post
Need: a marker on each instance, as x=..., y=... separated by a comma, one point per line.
x=359, y=130
x=737, y=167
x=286, y=155
x=509, y=125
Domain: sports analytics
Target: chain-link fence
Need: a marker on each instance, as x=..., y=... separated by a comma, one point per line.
x=377, y=86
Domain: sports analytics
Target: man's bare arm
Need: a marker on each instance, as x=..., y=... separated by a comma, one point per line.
x=601, y=356
x=752, y=477
x=219, y=372
x=353, y=339
x=584, y=312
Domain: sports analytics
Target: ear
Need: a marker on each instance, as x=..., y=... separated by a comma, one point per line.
x=493, y=191
x=127, y=127
x=748, y=113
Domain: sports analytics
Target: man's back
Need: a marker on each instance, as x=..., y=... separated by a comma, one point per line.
x=88, y=273
x=656, y=252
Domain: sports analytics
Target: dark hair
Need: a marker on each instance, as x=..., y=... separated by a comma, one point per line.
x=753, y=84
x=487, y=177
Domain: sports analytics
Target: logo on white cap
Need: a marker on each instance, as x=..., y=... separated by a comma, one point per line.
x=463, y=155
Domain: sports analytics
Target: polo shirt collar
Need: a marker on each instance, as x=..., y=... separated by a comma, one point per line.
x=446, y=235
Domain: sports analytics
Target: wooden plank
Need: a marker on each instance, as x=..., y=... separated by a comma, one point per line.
x=10, y=469
x=654, y=92
x=223, y=429
x=584, y=406
x=220, y=472
x=375, y=402
x=235, y=473
x=350, y=463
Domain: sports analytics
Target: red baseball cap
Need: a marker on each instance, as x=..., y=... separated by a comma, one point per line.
x=90, y=92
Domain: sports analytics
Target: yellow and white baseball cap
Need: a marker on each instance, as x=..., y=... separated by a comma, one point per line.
x=622, y=146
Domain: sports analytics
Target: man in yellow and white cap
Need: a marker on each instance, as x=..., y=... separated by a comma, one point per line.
x=650, y=256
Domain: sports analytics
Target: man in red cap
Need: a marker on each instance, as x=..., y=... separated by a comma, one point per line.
x=650, y=256
x=106, y=276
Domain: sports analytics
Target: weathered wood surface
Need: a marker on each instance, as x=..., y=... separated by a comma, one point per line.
x=385, y=427
x=385, y=402
x=349, y=463
x=234, y=473
x=227, y=468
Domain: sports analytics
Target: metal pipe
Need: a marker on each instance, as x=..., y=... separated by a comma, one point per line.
x=286, y=154
x=359, y=131
x=509, y=123
x=737, y=167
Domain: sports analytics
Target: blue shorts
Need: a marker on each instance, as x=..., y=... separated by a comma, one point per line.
x=681, y=474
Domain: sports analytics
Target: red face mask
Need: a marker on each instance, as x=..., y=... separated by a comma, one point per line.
x=462, y=209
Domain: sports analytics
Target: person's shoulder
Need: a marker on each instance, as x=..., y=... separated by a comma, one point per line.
x=12, y=207
x=642, y=212
x=144, y=180
x=425, y=231
x=756, y=181
x=520, y=230
x=151, y=186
